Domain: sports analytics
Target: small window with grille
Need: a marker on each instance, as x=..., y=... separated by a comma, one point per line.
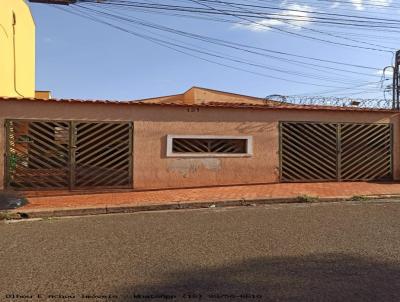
x=208, y=146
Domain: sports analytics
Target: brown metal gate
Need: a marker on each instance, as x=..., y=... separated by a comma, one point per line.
x=335, y=151
x=68, y=155
x=365, y=151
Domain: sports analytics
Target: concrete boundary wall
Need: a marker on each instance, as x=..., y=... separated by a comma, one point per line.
x=152, y=169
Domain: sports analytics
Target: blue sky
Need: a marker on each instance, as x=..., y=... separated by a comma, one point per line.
x=78, y=58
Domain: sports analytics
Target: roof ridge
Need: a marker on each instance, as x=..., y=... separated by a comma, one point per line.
x=266, y=106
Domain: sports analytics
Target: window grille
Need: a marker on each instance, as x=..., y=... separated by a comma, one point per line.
x=208, y=145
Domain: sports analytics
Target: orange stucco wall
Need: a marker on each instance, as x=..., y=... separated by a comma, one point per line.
x=152, y=169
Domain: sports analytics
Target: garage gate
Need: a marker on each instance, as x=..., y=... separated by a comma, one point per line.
x=68, y=155
x=335, y=151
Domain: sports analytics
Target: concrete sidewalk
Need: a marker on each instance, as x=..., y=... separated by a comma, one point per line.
x=86, y=204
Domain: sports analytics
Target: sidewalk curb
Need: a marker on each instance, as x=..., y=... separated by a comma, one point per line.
x=114, y=209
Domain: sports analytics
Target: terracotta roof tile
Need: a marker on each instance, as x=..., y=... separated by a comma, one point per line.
x=280, y=106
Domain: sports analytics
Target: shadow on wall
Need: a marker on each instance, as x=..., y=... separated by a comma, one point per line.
x=321, y=277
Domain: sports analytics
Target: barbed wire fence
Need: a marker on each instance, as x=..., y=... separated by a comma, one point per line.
x=333, y=101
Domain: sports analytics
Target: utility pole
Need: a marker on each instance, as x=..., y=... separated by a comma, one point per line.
x=396, y=87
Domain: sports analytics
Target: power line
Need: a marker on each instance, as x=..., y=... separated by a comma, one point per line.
x=239, y=16
x=370, y=4
x=301, y=56
x=356, y=20
x=200, y=52
x=178, y=48
x=218, y=42
x=355, y=17
x=297, y=34
x=309, y=29
x=240, y=61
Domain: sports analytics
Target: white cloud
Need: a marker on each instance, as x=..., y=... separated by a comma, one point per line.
x=381, y=2
x=335, y=4
x=358, y=4
x=262, y=25
x=299, y=12
x=293, y=15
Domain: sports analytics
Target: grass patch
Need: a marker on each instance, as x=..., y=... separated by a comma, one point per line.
x=307, y=198
x=359, y=198
x=9, y=216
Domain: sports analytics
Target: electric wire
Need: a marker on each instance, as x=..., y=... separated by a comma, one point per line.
x=177, y=48
x=220, y=42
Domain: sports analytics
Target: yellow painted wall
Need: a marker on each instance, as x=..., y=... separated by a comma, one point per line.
x=17, y=49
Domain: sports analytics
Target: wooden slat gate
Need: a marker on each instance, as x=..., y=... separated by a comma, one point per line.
x=68, y=155
x=335, y=151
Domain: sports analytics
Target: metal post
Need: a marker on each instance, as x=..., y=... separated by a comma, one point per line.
x=280, y=150
x=397, y=80
x=339, y=152
x=396, y=88
x=7, y=156
x=72, y=153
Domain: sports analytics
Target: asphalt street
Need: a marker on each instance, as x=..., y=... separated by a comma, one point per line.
x=292, y=252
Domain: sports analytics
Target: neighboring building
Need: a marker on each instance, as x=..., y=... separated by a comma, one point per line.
x=17, y=50
x=199, y=95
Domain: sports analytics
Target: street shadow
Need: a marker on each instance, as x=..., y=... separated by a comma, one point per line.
x=319, y=277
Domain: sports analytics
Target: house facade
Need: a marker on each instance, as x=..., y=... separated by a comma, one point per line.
x=202, y=137
x=225, y=139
